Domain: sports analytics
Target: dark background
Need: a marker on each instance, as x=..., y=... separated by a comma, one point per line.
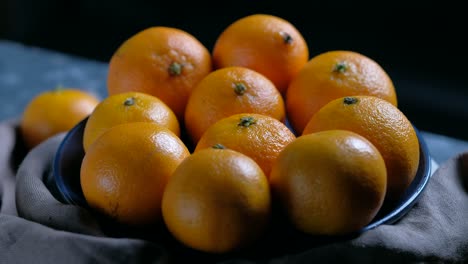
x=419, y=43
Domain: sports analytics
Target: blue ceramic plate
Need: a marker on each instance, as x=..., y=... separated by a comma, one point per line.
x=67, y=163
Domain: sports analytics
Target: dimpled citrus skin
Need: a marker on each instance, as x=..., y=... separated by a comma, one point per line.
x=267, y=44
x=218, y=200
x=381, y=123
x=331, y=75
x=53, y=112
x=125, y=171
x=128, y=107
x=228, y=91
x=330, y=182
x=258, y=136
x=165, y=62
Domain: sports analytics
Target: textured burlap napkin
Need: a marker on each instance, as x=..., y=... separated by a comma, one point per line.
x=36, y=228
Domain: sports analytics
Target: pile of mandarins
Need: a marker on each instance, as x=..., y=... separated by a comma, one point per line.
x=207, y=142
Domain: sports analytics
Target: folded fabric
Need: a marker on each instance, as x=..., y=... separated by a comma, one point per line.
x=48, y=231
x=10, y=154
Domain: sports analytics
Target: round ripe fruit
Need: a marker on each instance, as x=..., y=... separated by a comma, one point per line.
x=53, y=112
x=162, y=61
x=260, y=137
x=267, y=44
x=330, y=183
x=385, y=126
x=331, y=75
x=125, y=108
x=228, y=91
x=217, y=200
x=125, y=171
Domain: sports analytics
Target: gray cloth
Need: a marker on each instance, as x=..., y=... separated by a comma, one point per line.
x=48, y=231
x=7, y=170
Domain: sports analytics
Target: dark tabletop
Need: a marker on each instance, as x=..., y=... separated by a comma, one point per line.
x=26, y=71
